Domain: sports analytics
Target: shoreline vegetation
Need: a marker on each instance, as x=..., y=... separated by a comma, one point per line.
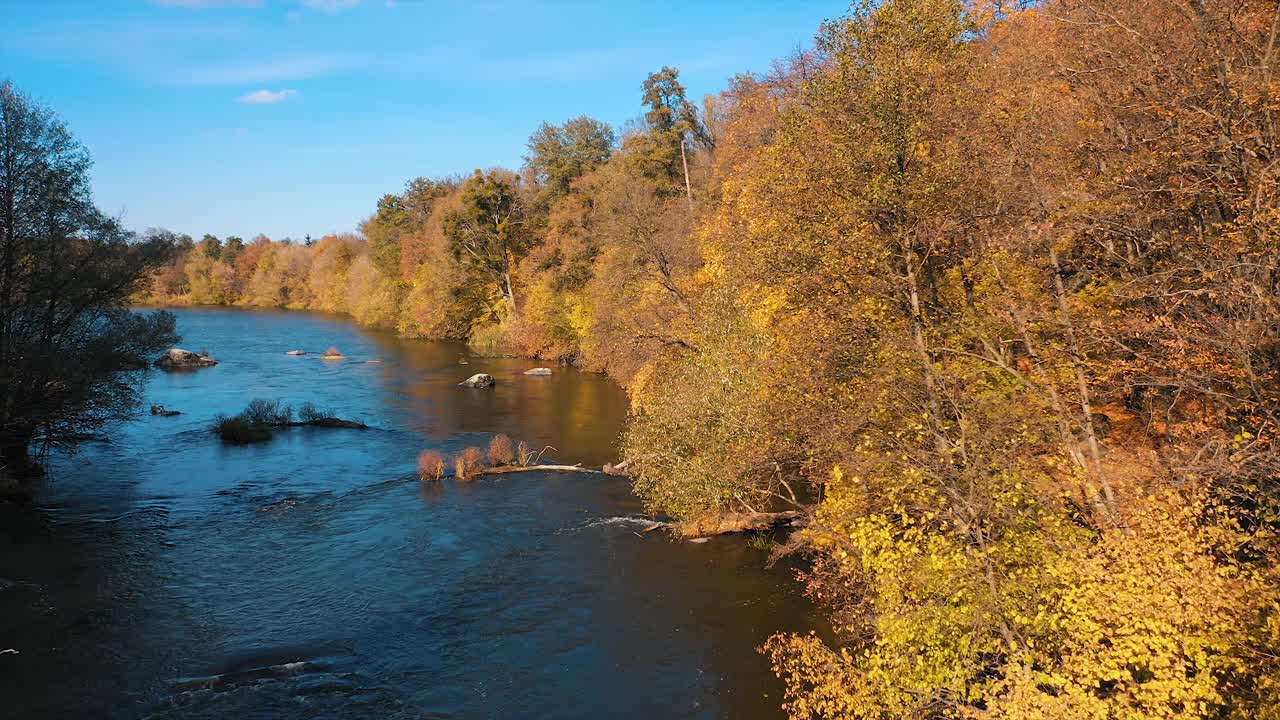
x=985, y=295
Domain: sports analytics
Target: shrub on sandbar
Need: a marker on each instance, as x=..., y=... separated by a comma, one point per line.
x=501, y=451
x=430, y=465
x=468, y=463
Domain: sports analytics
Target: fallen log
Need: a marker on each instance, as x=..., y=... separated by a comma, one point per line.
x=502, y=469
x=623, y=468
x=704, y=527
x=619, y=469
x=733, y=523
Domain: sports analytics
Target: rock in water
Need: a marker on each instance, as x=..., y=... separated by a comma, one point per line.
x=479, y=380
x=538, y=371
x=177, y=359
x=296, y=352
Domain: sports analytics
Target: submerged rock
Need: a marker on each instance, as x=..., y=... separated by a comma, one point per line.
x=479, y=380
x=296, y=352
x=538, y=371
x=177, y=358
x=164, y=411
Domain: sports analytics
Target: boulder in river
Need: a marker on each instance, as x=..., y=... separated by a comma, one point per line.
x=538, y=371
x=296, y=352
x=479, y=380
x=163, y=411
x=179, y=359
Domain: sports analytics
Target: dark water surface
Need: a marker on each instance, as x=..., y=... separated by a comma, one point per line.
x=168, y=576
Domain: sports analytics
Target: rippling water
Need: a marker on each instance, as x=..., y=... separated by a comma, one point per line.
x=168, y=576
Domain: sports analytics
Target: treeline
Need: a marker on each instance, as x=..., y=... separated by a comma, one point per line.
x=991, y=292
x=581, y=255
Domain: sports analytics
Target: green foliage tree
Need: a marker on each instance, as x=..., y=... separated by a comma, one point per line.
x=211, y=246
x=231, y=249
x=384, y=231
x=560, y=154
x=671, y=122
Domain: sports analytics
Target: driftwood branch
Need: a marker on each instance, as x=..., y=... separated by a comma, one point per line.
x=619, y=469
x=721, y=524
x=502, y=469
x=623, y=468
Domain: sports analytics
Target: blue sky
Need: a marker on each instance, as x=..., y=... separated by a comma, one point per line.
x=291, y=117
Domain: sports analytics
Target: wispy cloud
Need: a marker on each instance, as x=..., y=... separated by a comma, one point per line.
x=267, y=97
x=267, y=70
x=202, y=4
x=330, y=6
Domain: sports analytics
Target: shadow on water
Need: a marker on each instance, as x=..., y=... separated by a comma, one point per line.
x=168, y=576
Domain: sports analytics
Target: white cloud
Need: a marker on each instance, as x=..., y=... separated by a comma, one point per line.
x=202, y=4
x=267, y=97
x=330, y=6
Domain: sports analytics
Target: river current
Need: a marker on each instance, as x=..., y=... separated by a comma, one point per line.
x=165, y=575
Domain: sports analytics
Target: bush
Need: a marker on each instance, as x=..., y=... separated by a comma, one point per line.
x=430, y=465
x=256, y=422
x=501, y=451
x=309, y=412
x=468, y=463
x=268, y=412
x=240, y=430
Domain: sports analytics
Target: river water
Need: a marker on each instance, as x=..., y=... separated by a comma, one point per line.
x=165, y=575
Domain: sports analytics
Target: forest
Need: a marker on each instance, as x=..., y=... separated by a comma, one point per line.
x=990, y=291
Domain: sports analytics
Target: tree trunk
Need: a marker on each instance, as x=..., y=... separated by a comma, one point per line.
x=1082, y=383
x=506, y=278
x=922, y=351
x=688, y=188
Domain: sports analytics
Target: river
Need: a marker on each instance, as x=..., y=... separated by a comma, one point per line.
x=165, y=575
